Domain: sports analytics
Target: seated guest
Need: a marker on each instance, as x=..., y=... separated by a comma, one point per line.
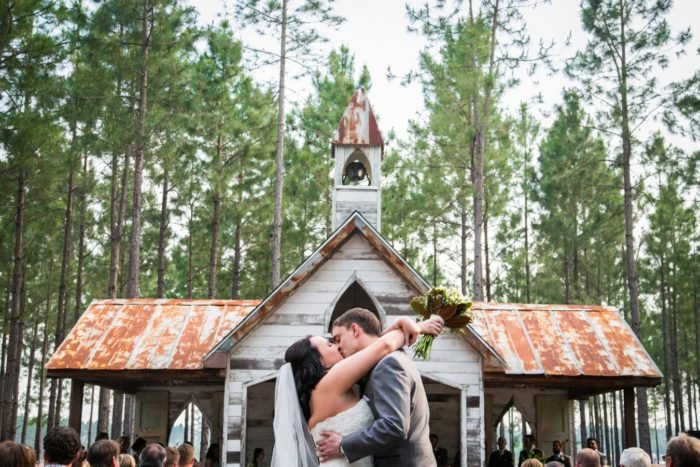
x=172, y=457
x=531, y=450
x=439, y=453
x=501, y=457
x=104, y=453
x=682, y=451
x=13, y=455
x=153, y=455
x=186, y=452
x=635, y=457
x=61, y=446
x=558, y=455
x=592, y=443
x=531, y=463
x=126, y=460
x=587, y=458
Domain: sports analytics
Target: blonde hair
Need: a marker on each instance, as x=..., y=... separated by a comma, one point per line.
x=531, y=463
x=126, y=460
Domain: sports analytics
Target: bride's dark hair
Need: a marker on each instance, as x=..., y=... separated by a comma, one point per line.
x=307, y=369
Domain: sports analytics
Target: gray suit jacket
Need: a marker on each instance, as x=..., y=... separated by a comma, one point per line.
x=399, y=435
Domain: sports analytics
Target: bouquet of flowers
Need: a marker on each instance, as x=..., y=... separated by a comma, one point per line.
x=450, y=305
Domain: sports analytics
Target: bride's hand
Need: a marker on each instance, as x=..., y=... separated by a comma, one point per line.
x=432, y=326
x=410, y=329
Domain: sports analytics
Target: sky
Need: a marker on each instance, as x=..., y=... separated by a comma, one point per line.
x=376, y=33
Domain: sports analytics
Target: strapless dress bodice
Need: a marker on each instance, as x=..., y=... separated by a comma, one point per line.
x=358, y=417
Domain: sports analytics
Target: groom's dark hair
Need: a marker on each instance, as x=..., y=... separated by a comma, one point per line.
x=365, y=319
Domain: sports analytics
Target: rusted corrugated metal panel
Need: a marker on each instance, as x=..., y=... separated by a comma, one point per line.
x=358, y=126
x=148, y=334
x=562, y=341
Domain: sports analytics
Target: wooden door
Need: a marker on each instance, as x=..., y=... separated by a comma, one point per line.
x=151, y=416
x=553, y=415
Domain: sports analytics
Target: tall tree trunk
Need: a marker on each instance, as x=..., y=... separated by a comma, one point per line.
x=117, y=218
x=82, y=198
x=434, y=242
x=478, y=168
x=103, y=410
x=463, y=247
x=11, y=379
x=117, y=414
x=664, y=335
x=616, y=425
x=642, y=405
x=217, y=200
x=582, y=416
x=487, y=262
x=30, y=376
x=204, y=444
x=3, y=351
x=162, y=232
x=92, y=412
x=279, y=156
x=55, y=393
x=133, y=290
x=44, y=354
x=527, y=234
x=675, y=368
x=190, y=265
x=236, y=266
x=606, y=431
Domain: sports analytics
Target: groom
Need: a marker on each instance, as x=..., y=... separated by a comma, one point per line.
x=399, y=435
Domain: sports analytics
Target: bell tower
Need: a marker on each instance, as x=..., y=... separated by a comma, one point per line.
x=358, y=149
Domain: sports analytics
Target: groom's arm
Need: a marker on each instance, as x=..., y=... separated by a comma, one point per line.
x=391, y=386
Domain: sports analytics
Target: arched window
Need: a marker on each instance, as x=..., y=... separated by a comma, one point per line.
x=354, y=296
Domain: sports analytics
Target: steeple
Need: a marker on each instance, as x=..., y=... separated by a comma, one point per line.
x=358, y=149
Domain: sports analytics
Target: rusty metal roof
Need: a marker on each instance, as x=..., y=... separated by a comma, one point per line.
x=562, y=340
x=358, y=126
x=148, y=334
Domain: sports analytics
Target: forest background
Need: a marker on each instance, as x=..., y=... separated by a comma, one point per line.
x=150, y=150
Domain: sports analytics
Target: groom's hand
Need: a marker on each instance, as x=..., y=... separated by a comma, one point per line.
x=432, y=326
x=328, y=447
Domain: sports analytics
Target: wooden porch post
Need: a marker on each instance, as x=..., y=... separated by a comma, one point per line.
x=76, y=404
x=630, y=425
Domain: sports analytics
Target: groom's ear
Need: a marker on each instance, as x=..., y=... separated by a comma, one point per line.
x=354, y=329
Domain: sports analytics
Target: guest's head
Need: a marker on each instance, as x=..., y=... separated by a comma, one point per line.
x=501, y=443
x=556, y=446
x=103, y=453
x=587, y=458
x=124, y=443
x=592, y=443
x=61, y=445
x=213, y=452
x=153, y=455
x=81, y=458
x=186, y=452
x=126, y=460
x=529, y=441
x=634, y=457
x=29, y=453
x=13, y=455
x=355, y=329
x=682, y=451
x=553, y=464
x=258, y=456
x=434, y=440
x=531, y=463
x=308, y=366
x=137, y=447
x=102, y=435
x=172, y=457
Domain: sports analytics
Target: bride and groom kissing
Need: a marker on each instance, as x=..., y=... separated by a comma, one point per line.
x=319, y=420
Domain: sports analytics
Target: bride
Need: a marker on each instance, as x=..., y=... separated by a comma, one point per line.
x=316, y=383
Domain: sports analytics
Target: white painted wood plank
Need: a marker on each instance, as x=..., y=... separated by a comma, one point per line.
x=360, y=196
x=302, y=308
x=280, y=330
x=301, y=296
x=432, y=367
x=355, y=265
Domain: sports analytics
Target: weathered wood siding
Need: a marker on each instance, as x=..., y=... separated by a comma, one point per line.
x=454, y=371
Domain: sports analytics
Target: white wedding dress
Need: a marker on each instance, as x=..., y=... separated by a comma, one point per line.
x=358, y=417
